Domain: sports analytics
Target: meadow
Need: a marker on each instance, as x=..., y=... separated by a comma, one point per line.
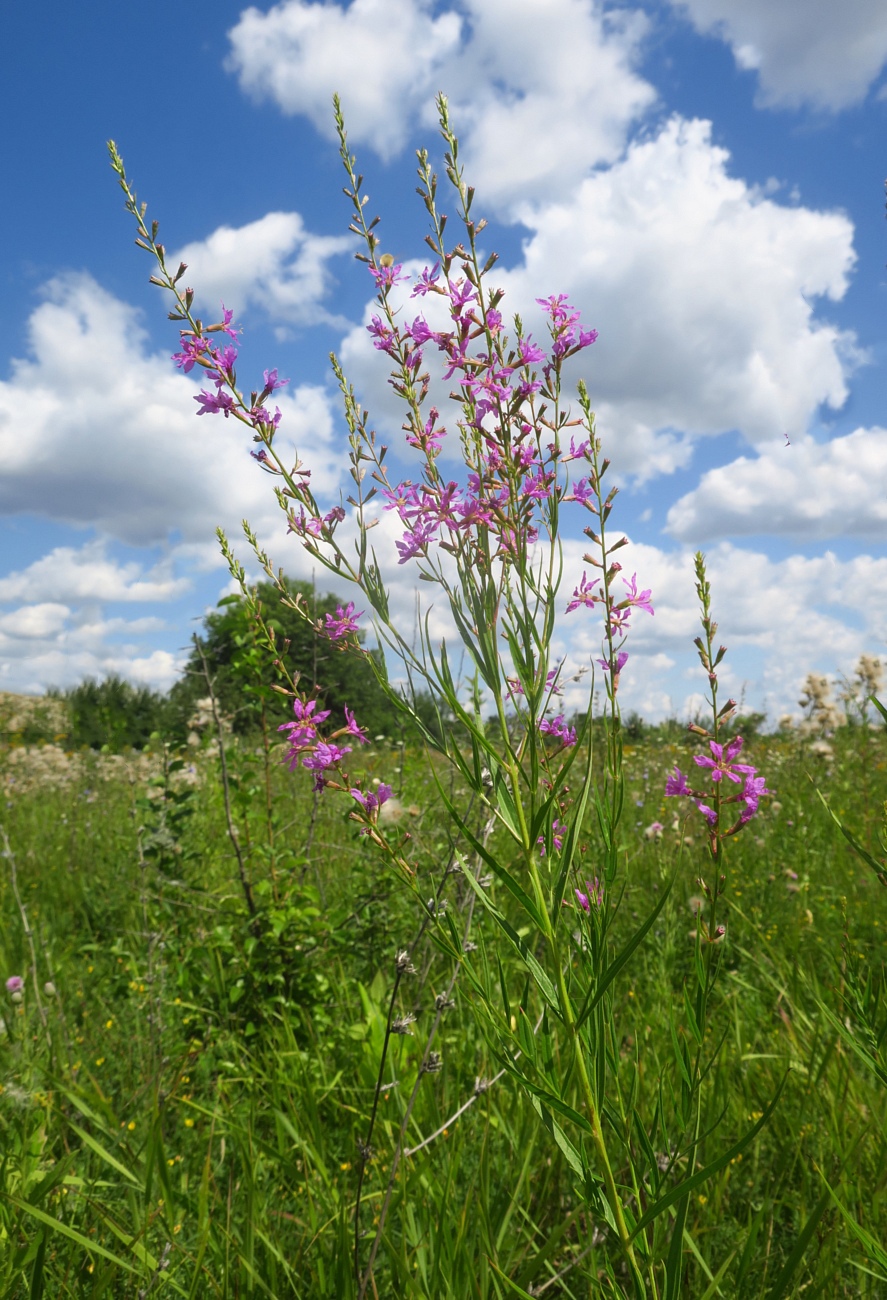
x=189, y=1072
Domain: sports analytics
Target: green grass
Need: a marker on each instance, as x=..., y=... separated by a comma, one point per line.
x=187, y=1121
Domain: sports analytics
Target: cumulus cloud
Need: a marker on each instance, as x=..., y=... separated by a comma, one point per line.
x=539, y=93
x=779, y=618
x=90, y=574
x=809, y=489
x=274, y=264
x=96, y=430
x=808, y=53
x=702, y=289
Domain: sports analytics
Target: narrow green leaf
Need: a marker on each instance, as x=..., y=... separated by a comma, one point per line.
x=790, y=1267
x=543, y=983
x=92, y=1247
x=615, y=966
x=690, y=1184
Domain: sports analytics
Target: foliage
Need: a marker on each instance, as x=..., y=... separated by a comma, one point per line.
x=193, y=1102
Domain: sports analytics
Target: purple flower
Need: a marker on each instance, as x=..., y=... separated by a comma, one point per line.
x=193, y=348
x=427, y=282
x=635, y=601
x=352, y=728
x=212, y=403
x=272, y=382
x=594, y=897
x=384, y=339
x=415, y=541
x=677, y=784
x=755, y=786
x=558, y=730
x=621, y=661
x=372, y=800
x=582, y=492
x=15, y=984
x=557, y=837
x=344, y=623
x=530, y=353
x=386, y=276
x=225, y=327
x=325, y=755
x=583, y=594
x=721, y=763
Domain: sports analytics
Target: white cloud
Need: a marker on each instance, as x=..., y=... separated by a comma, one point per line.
x=88, y=574
x=96, y=430
x=274, y=264
x=701, y=289
x=808, y=52
x=33, y=621
x=809, y=489
x=779, y=618
x=539, y=93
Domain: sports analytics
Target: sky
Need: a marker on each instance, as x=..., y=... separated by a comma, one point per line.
x=704, y=179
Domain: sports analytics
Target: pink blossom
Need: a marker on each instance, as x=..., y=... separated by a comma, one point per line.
x=344, y=623
x=594, y=897
x=583, y=594
x=558, y=730
x=352, y=728
x=15, y=984
x=634, y=600
x=721, y=763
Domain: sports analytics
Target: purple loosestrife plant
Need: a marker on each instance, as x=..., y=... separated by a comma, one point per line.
x=482, y=528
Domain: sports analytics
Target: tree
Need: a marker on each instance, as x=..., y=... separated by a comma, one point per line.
x=243, y=671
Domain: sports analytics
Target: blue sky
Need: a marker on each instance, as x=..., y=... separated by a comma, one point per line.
x=704, y=179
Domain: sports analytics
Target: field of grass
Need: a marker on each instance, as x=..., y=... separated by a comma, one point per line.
x=188, y=1079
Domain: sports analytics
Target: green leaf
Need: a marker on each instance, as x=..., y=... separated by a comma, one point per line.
x=541, y=978
x=690, y=1184
x=879, y=868
x=615, y=966
x=92, y=1247
x=789, y=1268
x=571, y=1155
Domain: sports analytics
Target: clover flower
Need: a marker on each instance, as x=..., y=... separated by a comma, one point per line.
x=15, y=984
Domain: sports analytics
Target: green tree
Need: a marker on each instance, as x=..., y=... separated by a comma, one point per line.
x=243, y=671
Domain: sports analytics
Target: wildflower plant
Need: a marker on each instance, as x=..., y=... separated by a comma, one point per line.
x=543, y=971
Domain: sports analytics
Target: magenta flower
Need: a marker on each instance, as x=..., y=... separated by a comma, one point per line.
x=721, y=763
x=427, y=282
x=272, y=383
x=557, y=838
x=325, y=755
x=352, y=728
x=635, y=601
x=344, y=623
x=193, y=348
x=583, y=595
x=677, y=784
x=15, y=984
x=621, y=661
x=594, y=897
x=557, y=729
x=755, y=786
x=213, y=403
x=386, y=276
x=371, y=801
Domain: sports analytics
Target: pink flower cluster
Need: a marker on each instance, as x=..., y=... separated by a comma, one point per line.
x=721, y=766
x=510, y=475
x=197, y=350
x=305, y=744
